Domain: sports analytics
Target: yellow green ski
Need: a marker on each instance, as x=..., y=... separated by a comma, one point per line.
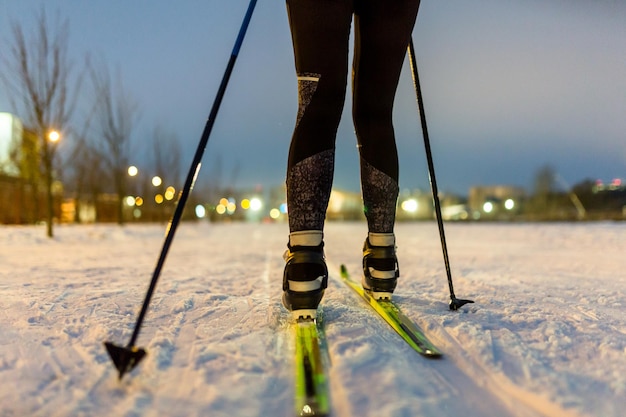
x=393, y=315
x=311, y=384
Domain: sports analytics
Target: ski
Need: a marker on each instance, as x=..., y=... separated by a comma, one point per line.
x=393, y=315
x=311, y=396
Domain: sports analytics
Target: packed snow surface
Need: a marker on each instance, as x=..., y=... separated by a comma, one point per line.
x=546, y=336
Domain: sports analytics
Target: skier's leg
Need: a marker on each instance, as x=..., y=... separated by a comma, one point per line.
x=320, y=35
x=382, y=33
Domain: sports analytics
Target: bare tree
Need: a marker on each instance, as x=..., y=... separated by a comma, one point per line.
x=544, y=190
x=38, y=79
x=166, y=155
x=27, y=158
x=164, y=162
x=115, y=118
x=86, y=174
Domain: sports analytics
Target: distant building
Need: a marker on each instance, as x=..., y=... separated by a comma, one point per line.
x=344, y=205
x=10, y=142
x=414, y=205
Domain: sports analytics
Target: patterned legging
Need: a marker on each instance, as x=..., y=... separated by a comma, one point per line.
x=320, y=33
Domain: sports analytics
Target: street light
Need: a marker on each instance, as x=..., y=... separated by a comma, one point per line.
x=54, y=136
x=256, y=204
x=410, y=205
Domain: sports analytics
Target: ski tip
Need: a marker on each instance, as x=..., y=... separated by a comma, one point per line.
x=433, y=354
x=125, y=359
x=457, y=303
x=309, y=410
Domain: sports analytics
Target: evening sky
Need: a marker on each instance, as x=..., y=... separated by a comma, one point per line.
x=509, y=86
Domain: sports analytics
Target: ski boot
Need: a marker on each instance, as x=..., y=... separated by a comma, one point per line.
x=304, y=280
x=380, y=267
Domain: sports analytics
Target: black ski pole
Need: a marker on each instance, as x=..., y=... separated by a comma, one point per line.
x=455, y=303
x=126, y=358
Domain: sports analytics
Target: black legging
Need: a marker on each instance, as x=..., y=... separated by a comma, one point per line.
x=320, y=32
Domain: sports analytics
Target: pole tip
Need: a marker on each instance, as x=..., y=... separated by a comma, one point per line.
x=456, y=303
x=125, y=359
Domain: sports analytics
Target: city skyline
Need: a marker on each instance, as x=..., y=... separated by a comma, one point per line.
x=508, y=88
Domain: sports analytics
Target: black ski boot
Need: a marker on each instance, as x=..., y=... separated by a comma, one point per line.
x=380, y=270
x=304, y=280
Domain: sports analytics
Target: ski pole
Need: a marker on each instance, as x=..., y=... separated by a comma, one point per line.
x=126, y=358
x=455, y=303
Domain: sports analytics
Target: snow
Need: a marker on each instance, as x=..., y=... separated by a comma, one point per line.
x=546, y=336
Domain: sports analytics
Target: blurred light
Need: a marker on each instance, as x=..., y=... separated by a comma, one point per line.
x=158, y=198
x=170, y=192
x=615, y=184
x=57, y=187
x=130, y=201
x=224, y=202
x=274, y=213
x=220, y=209
x=137, y=213
x=133, y=171
x=200, y=211
x=509, y=204
x=488, y=207
x=231, y=207
x=156, y=181
x=138, y=201
x=336, y=202
x=54, y=136
x=283, y=208
x=256, y=204
x=410, y=205
x=245, y=204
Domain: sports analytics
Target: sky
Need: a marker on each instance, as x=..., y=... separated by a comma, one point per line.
x=509, y=86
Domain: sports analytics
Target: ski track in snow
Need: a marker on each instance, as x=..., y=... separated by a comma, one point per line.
x=546, y=336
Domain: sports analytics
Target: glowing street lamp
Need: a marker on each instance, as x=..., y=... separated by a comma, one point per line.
x=256, y=204
x=133, y=171
x=54, y=136
x=200, y=211
x=170, y=193
x=410, y=206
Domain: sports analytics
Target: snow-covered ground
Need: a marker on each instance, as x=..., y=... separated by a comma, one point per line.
x=546, y=337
